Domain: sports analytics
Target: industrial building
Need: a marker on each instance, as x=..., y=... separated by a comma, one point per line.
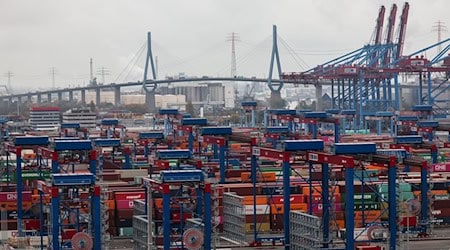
x=83, y=116
x=45, y=118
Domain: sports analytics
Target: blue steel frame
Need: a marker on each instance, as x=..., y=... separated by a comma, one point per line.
x=63, y=180
x=188, y=125
x=95, y=209
x=153, y=135
x=221, y=142
x=284, y=157
x=248, y=106
x=23, y=142
x=289, y=147
x=164, y=188
x=348, y=163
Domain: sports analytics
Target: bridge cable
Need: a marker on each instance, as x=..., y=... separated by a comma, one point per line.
x=296, y=57
x=248, y=56
x=134, y=65
x=217, y=47
x=132, y=59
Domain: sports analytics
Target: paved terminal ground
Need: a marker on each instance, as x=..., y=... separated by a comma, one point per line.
x=412, y=245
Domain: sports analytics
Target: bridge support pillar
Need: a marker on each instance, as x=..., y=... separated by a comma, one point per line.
x=70, y=96
x=116, y=96
x=97, y=97
x=83, y=96
x=60, y=96
x=319, y=104
x=276, y=102
x=30, y=98
x=39, y=99
x=49, y=97
x=150, y=100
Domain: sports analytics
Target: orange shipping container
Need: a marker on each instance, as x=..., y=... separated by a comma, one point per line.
x=340, y=223
x=35, y=198
x=260, y=200
x=279, y=208
x=439, y=192
x=12, y=206
x=261, y=177
x=358, y=223
x=158, y=203
x=110, y=204
x=369, y=215
x=318, y=189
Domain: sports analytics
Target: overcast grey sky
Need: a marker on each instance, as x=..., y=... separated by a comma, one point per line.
x=189, y=36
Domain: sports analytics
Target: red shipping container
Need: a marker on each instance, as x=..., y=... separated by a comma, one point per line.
x=409, y=221
x=112, y=231
x=218, y=201
x=139, y=195
x=32, y=224
x=442, y=167
x=368, y=248
x=277, y=222
x=12, y=196
x=441, y=213
x=124, y=204
x=67, y=234
x=177, y=216
x=218, y=190
x=218, y=220
x=441, y=204
x=318, y=207
x=318, y=197
x=295, y=199
x=125, y=214
x=84, y=195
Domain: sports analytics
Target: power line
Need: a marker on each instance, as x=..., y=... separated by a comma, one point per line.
x=91, y=69
x=103, y=72
x=233, y=38
x=9, y=75
x=439, y=27
x=53, y=73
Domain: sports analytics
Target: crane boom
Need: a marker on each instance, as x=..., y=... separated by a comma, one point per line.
x=390, y=31
x=402, y=30
x=379, y=27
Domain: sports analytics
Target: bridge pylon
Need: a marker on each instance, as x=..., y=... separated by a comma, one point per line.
x=148, y=85
x=275, y=97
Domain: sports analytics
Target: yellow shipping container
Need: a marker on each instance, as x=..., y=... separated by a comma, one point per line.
x=260, y=227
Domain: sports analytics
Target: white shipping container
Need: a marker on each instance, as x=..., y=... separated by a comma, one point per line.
x=260, y=209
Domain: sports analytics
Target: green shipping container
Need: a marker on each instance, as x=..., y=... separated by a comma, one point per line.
x=126, y=231
x=401, y=187
x=31, y=175
x=404, y=196
x=367, y=206
x=368, y=197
